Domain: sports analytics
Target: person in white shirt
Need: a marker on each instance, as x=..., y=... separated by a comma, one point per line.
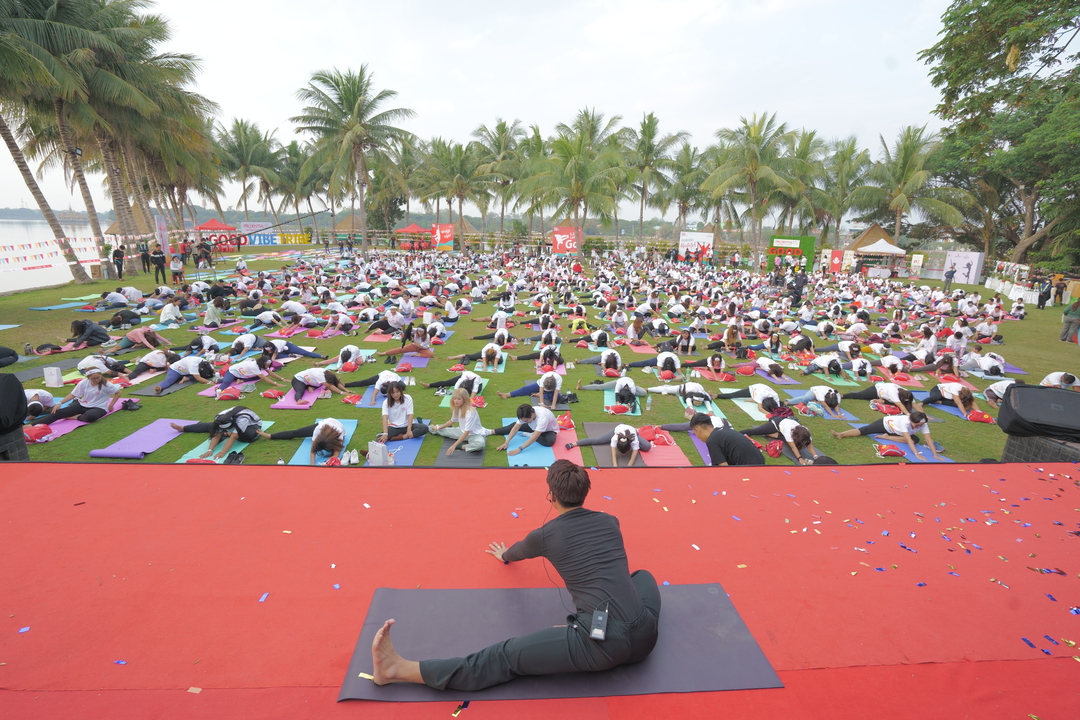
x=887, y=392
x=113, y=300
x=470, y=381
x=398, y=416
x=192, y=367
x=756, y=392
x=827, y=397
x=548, y=388
x=380, y=382
x=539, y=422
x=155, y=360
x=93, y=398
x=1063, y=380
x=170, y=313
x=469, y=432
x=624, y=440
x=491, y=356
x=315, y=378
x=995, y=393
x=38, y=402
x=898, y=429
x=798, y=445
x=291, y=307
x=268, y=318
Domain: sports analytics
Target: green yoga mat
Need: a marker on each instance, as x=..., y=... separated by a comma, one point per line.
x=750, y=408
x=609, y=399
x=84, y=298
x=834, y=380
x=501, y=367
x=205, y=445
x=713, y=409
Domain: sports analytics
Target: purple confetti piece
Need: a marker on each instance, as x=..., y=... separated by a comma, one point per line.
x=912, y=535
x=955, y=574
x=786, y=472
x=336, y=586
x=119, y=662
x=1046, y=651
x=607, y=497
x=790, y=495
x=976, y=546
x=946, y=538
x=1051, y=639
x=264, y=596
x=25, y=629
x=716, y=493
x=657, y=490
x=513, y=514
x=666, y=582
x=1030, y=644
x=885, y=533
x=920, y=584
x=880, y=569
x=1054, y=599
x=736, y=517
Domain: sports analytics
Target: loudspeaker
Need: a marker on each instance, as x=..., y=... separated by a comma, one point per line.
x=1033, y=410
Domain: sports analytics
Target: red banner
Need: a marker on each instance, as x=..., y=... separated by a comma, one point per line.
x=565, y=241
x=836, y=261
x=442, y=237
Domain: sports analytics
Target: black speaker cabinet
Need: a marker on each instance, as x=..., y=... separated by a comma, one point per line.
x=1035, y=411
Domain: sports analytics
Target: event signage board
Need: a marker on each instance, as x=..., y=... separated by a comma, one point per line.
x=849, y=261
x=442, y=237
x=916, y=266
x=792, y=245
x=695, y=246
x=565, y=241
x=836, y=261
x=968, y=265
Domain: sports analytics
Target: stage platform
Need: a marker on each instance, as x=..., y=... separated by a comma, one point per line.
x=888, y=591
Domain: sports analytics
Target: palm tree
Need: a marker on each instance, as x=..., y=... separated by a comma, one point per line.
x=577, y=177
x=533, y=151
x=464, y=178
x=845, y=170
x=408, y=164
x=345, y=117
x=501, y=159
x=247, y=156
x=750, y=161
x=649, y=151
x=803, y=200
x=684, y=192
x=901, y=182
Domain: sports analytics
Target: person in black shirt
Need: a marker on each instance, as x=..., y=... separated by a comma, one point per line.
x=118, y=261
x=726, y=445
x=157, y=259
x=586, y=549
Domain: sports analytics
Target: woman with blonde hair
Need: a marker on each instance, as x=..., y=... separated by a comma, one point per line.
x=469, y=432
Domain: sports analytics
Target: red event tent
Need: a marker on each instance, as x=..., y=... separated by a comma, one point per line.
x=414, y=228
x=215, y=225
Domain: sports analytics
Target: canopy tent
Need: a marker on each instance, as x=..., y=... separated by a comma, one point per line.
x=463, y=227
x=413, y=229
x=870, y=236
x=881, y=247
x=350, y=223
x=215, y=225
x=140, y=225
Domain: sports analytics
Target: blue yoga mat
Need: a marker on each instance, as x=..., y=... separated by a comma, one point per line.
x=405, y=451
x=928, y=458
x=536, y=455
x=302, y=456
x=63, y=306
x=921, y=396
x=847, y=416
x=8, y=327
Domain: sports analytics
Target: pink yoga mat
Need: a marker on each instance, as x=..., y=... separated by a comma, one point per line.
x=561, y=453
x=63, y=427
x=665, y=456
x=209, y=392
x=912, y=383
x=708, y=374
x=142, y=442
x=560, y=370
x=283, y=333
x=378, y=337
x=642, y=349
x=289, y=401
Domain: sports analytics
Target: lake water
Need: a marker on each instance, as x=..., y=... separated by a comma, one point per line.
x=14, y=232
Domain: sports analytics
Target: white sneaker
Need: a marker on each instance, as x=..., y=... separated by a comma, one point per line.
x=346, y=458
x=355, y=457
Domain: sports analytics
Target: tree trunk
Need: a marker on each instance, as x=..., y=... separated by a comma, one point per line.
x=407, y=214
x=243, y=184
x=136, y=180
x=617, y=241
x=1026, y=243
x=116, y=187
x=896, y=235
x=361, y=181
x=77, y=270
x=502, y=211
x=76, y=167
x=438, y=211
x=314, y=220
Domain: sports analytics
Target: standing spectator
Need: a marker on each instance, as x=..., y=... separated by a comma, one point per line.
x=949, y=275
x=157, y=259
x=118, y=260
x=184, y=250
x=144, y=255
x=1070, y=322
x=340, y=246
x=1059, y=291
x=1045, y=288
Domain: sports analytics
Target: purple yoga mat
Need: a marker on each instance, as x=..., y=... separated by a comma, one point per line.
x=197, y=328
x=1010, y=368
x=777, y=381
x=415, y=360
x=560, y=370
x=702, y=449
x=142, y=442
x=289, y=401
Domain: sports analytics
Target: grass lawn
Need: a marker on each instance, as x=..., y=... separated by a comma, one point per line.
x=1031, y=344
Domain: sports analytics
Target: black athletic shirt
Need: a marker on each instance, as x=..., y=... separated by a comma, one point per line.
x=732, y=447
x=586, y=548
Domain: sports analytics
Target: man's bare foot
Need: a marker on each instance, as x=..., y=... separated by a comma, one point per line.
x=835, y=434
x=177, y=428
x=503, y=395
x=263, y=434
x=579, y=384
x=384, y=658
x=302, y=402
x=424, y=384
x=157, y=389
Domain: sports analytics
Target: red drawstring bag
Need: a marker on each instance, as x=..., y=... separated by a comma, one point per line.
x=479, y=402
x=876, y=378
x=352, y=399
x=508, y=346
x=716, y=337
x=457, y=368
x=725, y=377
x=648, y=432
x=565, y=421
x=950, y=378
x=663, y=438
x=547, y=368
x=581, y=331
x=751, y=355
x=884, y=451
x=884, y=408
x=917, y=363
x=273, y=394
x=612, y=372
x=333, y=462
x=902, y=377
x=314, y=333
x=980, y=416
x=582, y=344
x=619, y=342
x=230, y=393
x=36, y=433
x=758, y=445
x=620, y=331
x=667, y=375
x=438, y=341
x=403, y=367
x=616, y=409
x=744, y=370
x=985, y=341
x=200, y=461
x=775, y=448
x=349, y=367
x=519, y=313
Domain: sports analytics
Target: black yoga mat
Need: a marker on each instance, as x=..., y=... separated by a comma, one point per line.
x=33, y=373
x=460, y=458
x=603, y=452
x=703, y=644
x=149, y=391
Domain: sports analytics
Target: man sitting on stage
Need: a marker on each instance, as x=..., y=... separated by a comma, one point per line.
x=586, y=548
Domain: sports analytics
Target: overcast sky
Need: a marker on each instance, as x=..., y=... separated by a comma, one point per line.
x=841, y=67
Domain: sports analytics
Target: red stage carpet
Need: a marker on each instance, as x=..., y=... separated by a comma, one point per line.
x=163, y=567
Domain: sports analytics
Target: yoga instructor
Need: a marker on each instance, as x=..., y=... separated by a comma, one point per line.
x=586, y=548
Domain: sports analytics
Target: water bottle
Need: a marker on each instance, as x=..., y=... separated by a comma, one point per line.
x=648, y=403
x=280, y=461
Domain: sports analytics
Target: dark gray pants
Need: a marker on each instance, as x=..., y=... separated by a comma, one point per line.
x=554, y=650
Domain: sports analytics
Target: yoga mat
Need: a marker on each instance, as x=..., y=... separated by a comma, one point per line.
x=560, y=369
x=750, y=407
x=24, y=376
x=145, y=376
x=290, y=401
x=500, y=368
x=777, y=381
x=1010, y=368
x=62, y=306
x=238, y=446
x=681, y=661
x=283, y=334
x=838, y=380
x=928, y=458
x=62, y=427
x=666, y=456
x=404, y=451
x=149, y=391
x=302, y=456
x=846, y=415
x=378, y=337
x=979, y=374
x=536, y=455
x=84, y=299
x=603, y=452
x=947, y=408
x=574, y=453
x=460, y=459
x=702, y=449
x=710, y=409
x=642, y=349
x=364, y=352
x=914, y=382
x=199, y=328
x=142, y=442
x=609, y=399
x=210, y=391
x=237, y=331
x=708, y=374
x=9, y=327
x=415, y=360
x=702, y=644
x=369, y=392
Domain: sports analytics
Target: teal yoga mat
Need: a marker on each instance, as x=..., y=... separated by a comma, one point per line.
x=536, y=455
x=609, y=399
x=302, y=456
x=205, y=445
